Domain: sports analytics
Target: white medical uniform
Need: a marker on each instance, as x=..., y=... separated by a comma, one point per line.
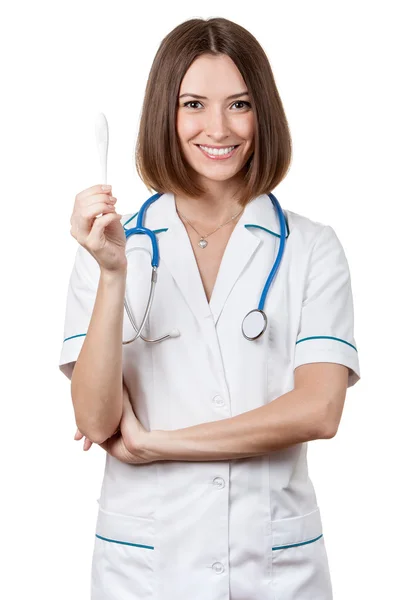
x=246, y=529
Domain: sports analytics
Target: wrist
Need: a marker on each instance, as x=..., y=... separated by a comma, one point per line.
x=115, y=275
x=154, y=444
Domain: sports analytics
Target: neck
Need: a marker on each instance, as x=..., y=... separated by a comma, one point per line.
x=214, y=207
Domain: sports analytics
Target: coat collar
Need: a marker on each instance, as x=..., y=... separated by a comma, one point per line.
x=177, y=255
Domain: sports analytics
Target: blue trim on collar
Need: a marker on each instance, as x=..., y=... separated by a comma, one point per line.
x=272, y=232
x=135, y=215
x=155, y=230
x=265, y=229
x=246, y=225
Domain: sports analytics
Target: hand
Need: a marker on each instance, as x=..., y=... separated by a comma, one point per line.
x=87, y=443
x=128, y=442
x=103, y=236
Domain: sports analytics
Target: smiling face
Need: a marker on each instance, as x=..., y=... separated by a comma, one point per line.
x=222, y=118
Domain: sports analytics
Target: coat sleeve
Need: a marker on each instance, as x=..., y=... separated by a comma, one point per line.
x=326, y=332
x=81, y=296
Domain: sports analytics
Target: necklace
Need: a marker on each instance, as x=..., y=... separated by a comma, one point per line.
x=203, y=242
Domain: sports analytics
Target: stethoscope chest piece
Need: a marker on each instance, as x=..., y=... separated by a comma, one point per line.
x=254, y=324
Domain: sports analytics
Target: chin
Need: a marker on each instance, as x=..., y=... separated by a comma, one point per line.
x=216, y=176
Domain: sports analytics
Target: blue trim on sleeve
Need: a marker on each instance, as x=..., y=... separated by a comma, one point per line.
x=326, y=337
x=74, y=336
x=299, y=544
x=124, y=543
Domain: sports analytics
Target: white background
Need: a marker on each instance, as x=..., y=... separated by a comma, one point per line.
x=337, y=71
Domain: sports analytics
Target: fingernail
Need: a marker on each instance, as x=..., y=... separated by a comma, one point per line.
x=106, y=187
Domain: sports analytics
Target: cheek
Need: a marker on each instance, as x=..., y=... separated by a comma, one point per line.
x=186, y=127
x=245, y=127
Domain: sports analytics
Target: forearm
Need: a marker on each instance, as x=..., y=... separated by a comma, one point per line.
x=96, y=383
x=287, y=420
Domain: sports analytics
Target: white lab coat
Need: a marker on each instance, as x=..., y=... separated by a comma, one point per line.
x=217, y=530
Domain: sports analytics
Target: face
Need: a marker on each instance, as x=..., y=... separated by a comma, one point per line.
x=215, y=120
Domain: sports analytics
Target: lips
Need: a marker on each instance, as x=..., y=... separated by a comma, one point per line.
x=217, y=147
x=217, y=156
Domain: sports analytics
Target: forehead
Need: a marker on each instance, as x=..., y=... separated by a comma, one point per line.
x=212, y=75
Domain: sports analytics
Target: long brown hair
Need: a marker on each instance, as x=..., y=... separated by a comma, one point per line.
x=158, y=155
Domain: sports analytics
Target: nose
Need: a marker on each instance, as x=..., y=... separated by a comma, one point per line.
x=217, y=125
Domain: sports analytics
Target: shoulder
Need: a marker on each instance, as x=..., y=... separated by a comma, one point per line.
x=306, y=233
x=313, y=244
x=315, y=247
x=303, y=228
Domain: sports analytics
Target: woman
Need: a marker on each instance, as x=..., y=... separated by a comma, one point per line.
x=206, y=492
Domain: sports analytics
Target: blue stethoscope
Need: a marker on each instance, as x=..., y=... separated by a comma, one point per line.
x=254, y=323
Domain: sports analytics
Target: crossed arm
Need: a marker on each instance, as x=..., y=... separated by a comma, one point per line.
x=312, y=410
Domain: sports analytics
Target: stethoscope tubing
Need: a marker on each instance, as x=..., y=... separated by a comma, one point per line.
x=146, y=313
x=142, y=230
x=282, y=242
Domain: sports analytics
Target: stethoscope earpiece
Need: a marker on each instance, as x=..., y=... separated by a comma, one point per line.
x=254, y=324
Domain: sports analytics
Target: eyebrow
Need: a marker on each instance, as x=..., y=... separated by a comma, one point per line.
x=245, y=93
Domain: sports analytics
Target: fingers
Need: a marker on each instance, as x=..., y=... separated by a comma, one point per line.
x=94, y=241
x=78, y=435
x=87, y=443
x=85, y=213
x=96, y=226
x=94, y=189
x=83, y=200
x=96, y=208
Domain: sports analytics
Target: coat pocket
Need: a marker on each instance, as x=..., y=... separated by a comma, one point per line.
x=300, y=567
x=123, y=557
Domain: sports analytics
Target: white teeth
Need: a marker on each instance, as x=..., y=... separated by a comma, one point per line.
x=216, y=151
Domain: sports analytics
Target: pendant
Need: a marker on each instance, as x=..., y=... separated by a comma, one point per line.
x=203, y=243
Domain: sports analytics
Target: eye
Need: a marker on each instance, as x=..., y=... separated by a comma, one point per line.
x=242, y=102
x=237, y=102
x=191, y=102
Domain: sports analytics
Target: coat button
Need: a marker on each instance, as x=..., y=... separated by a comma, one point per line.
x=219, y=482
x=218, y=401
x=218, y=567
